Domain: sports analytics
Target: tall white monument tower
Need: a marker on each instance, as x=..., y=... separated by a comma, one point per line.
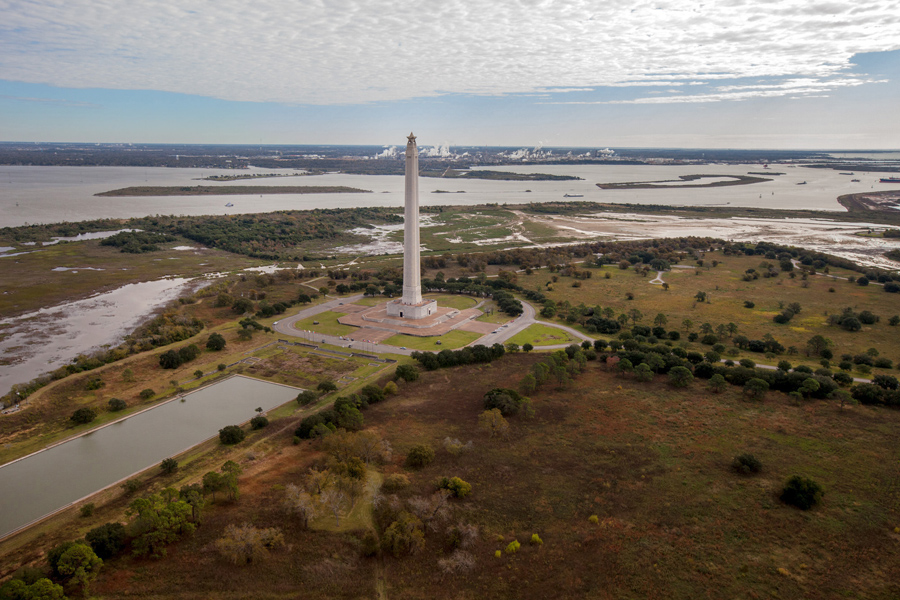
x=411, y=305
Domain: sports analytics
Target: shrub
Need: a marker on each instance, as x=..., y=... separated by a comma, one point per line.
x=258, y=422
x=802, y=492
x=394, y=483
x=594, y=519
x=306, y=397
x=390, y=388
x=215, y=342
x=420, y=456
x=326, y=386
x=169, y=466
x=131, y=486
x=107, y=540
x=513, y=547
x=146, y=394
x=749, y=304
x=680, y=376
x=406, y=373
x=507, y=401
x=231, y=434
x=83, y=415
x=94, y=384
x=746, y=464
x=87, y=510
x=116, y=405
x=536, y=540
x=222, y=367
x=458, y=488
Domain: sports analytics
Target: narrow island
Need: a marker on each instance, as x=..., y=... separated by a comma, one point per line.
x=677, y=183
x=259, y=176
x=500, y=175
x=246, y=190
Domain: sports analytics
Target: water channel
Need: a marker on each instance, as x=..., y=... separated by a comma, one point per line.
x=46, y=481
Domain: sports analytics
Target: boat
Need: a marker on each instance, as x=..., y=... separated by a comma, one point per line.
x=229, y=204
x=802, y=183
x=846, y=173
x=854, y=181
x=890, y=180
x=573, y=195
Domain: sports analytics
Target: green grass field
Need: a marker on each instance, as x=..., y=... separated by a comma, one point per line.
x=327, y=324
x=449, y=341
x=543, y=335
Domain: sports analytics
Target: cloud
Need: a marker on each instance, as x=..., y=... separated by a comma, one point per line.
x=356, y=51
x=50, y=101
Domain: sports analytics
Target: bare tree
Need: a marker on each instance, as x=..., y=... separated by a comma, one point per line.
x=334, y=498
x=245, y=544
x=299, y=502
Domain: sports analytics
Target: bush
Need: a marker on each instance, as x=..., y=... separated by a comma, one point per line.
x=258, y=422
x=231, y=434
x=513, y=547
x=801, y=492
x=680, y=376
x=406, y=373
x=394, y=483
x=458, y=488
x=215, y=342
x=746, y=464
x=115, y=405
x=83, y=415
x=146, y=394
x=536, y=540
x=87, y=510
x=222, y=367
x=594, y=519
x=507, y=401
x=168, y=465
x=326, y=386
x=420, y=456
x=107, y=540
x=306, y=397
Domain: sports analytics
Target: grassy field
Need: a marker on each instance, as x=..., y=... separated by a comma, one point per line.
x=327, y=323
x=543, y=335
x=449, y=341
x=727, y=293
x=651, y=462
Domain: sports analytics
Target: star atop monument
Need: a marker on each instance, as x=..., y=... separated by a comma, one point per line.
x=411, y=138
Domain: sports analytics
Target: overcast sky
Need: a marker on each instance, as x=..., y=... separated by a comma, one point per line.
x=675, y=73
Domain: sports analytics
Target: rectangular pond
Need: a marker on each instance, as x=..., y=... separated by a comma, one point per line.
x=43, y=482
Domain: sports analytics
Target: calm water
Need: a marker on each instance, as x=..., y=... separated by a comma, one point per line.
x=40, y=341
x=55, y=194
x=46, y=481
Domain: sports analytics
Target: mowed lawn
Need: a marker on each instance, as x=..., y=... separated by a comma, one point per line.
x=450, y=340
x=543, y=335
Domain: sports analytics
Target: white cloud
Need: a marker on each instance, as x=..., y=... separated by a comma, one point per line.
x=353, y=51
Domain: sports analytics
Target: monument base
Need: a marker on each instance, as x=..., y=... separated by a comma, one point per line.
x=422, y=310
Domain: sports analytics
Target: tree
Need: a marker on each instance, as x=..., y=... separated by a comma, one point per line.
x=300, y=503
x=231, y=434
x=215, y=342
x=306, y=397
x=680, y=376
x=643, y=372
x=333, y=498
x=170, y=359
x=245, y=544
x=128, y=375
x=241, y=306
x=81, y=564
x=40, y=589
x=406, y=373
x=660, y=320
x=843, y=397
x=420, y=456
x=756, y=388
x=107, y=540
x=810, y=386
x=404, y=535
x=83, y=415
x=635, y=315
x=493, y=422
x=802, y=492
x=326, y=386
x=169, y=466
x=527, y=347
x=115, y=404
x=701, y=297
x=717, y=383
x=198, y=373
x=687, y=324
x=817, y=344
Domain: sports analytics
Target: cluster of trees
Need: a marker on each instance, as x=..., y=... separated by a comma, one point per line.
x=172, y=359
x=849, y=320
x=561, y=366
x=345, y=413
x=464, y=356
x=137, y=242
